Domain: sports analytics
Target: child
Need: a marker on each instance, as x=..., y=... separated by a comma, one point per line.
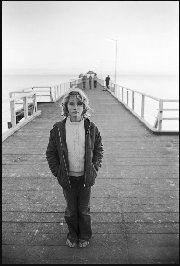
x=74, y=154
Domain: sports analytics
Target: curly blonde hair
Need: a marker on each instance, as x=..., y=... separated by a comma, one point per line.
x=81, y=96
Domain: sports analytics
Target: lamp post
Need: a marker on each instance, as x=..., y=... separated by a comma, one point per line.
x=115, y=61
x=115, y=57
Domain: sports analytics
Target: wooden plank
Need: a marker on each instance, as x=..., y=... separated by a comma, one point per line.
x=116, y=217
x=104, y=205
x=153, y=255
x=59, y=228
x=58, y=217
x=111, y=185
x=61, y=254
x=136, y=173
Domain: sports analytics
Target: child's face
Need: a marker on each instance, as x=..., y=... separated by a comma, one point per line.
x=75, y=108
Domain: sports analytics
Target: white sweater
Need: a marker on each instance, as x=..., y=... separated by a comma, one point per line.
x=75, y=139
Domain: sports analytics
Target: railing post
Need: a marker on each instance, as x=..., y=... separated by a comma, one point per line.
x=58, y=91
x=160, y=115
x=142, y=106
x=127, y=97
x=115, y=90
x=122, y=94
x=13, y=113
x=133, y=100
x=35, y=104
x=51, y=98
x=54, y=93
x=25, y=105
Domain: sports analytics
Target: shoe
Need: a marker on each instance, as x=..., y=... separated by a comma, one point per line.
x=83, y=243
x=70, y=244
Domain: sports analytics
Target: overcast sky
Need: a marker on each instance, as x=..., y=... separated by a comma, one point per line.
x=71, y=36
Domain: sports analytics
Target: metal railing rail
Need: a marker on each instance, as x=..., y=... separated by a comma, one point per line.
x=127, y=97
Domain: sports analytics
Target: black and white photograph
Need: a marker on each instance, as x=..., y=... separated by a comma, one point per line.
x=90, y=132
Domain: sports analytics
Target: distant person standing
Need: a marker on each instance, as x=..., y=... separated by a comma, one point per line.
x=90, y=81
x=95, y=80
x=84, y=82
x=107, y=82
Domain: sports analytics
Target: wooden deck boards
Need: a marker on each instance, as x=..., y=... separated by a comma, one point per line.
x=134, y=202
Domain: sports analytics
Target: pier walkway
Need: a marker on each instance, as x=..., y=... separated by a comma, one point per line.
x=134, y=204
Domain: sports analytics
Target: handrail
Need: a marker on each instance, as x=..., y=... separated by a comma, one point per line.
x=55, y=92
x=122, y=93
x=35, y=94
x=147, y=95
x=28, y=94
x=13, y=109
x=125, y=95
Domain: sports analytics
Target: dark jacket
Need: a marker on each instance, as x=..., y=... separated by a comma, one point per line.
x=107, y=80
x=57, y=153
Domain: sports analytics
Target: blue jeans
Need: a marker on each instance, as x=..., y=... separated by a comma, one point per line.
x=77, y=213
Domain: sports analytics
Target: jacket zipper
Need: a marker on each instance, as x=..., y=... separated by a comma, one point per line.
x=85, y=161
x=88, y=132
x=64, y=158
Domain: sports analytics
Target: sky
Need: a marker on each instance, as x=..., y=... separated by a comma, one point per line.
x=72, y=37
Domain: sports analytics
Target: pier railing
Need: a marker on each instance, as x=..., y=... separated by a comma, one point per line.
x=148, y=109
x=75, y=82
x=53, y=93
x=23, y=103
x=23, y=109
x=50, y=93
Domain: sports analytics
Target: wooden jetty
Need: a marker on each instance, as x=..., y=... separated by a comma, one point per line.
x=134, y=204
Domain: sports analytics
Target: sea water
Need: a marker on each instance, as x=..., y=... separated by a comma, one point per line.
x=165, y=87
